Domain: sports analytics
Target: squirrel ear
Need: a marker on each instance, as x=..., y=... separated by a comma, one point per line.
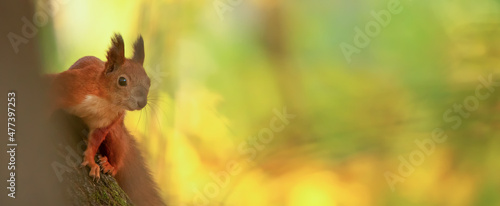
x=139, y=51
x=116, y=53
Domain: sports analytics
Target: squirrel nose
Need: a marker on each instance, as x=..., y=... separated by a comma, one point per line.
x=141, y=95
x=142, y=103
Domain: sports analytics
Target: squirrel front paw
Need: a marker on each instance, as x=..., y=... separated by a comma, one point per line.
x=106, y=167
x=94, y=170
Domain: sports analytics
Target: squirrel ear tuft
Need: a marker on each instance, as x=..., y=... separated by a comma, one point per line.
x=116, y=53
x=139, y=51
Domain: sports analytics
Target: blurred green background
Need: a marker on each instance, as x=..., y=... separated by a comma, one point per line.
x=221, y=69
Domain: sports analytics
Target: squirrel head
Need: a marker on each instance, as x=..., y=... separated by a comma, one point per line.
x=126, y=80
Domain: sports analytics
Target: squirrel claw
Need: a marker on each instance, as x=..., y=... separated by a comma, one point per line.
x=84, y=163
x=105, y=166
x=94, y=172
x=101, y=159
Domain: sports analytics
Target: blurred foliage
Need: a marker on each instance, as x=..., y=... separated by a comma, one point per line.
x=216, y=83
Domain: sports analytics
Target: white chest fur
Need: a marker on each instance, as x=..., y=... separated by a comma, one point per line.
x=96, y=112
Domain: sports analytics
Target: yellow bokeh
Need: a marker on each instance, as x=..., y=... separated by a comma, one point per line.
x=225, y=74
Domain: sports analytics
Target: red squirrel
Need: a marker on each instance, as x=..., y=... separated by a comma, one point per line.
x=99, y=93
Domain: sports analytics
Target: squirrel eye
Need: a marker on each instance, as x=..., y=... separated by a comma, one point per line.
x=122, y=81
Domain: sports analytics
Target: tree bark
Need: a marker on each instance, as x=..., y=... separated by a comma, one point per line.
x=83, y=190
